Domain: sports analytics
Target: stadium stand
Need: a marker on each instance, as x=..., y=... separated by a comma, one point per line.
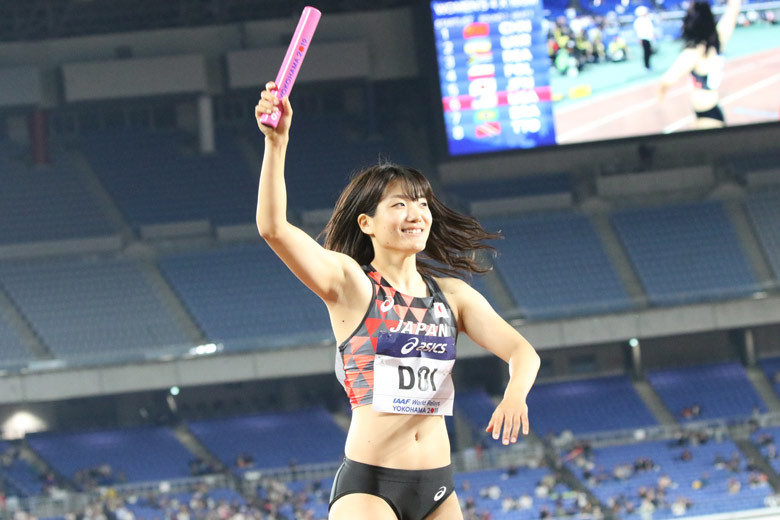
x=588, y=405
x=114, y=456
x=720, y=390
x=513, y=187
x=771, y=368
x=46, y=202
x=686, y=478
x=685, y=253
x=92, y=307
x=12, y=349
x=765, y=438
x=544, y=277
x=764, y=210
x=266, y=438
x=159, y=177
x=244, y=297
x=18, y=476
x=517, y=494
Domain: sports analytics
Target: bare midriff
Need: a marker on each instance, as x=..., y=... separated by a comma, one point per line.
x=397, y=441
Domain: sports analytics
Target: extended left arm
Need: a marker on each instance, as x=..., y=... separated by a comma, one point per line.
x=482, y=323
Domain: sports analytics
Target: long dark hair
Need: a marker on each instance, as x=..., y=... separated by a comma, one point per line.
x=454, y=238
x=699, y=26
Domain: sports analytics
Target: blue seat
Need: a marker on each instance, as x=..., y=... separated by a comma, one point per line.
x=685, y=253
x=545, y=277
x=722, y=390
x=142, y=454
x=273, y=440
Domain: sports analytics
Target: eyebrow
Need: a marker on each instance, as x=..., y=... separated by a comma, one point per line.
x=406, y=197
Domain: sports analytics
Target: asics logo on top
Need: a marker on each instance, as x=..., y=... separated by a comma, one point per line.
x=439, y=493
x=425, y=346
x=386, y=305
x=410, y=345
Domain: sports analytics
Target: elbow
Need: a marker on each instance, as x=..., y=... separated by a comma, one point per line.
x=267, y=230
x=533, y=358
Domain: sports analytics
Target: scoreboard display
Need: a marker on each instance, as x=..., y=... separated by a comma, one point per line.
x=493, y=74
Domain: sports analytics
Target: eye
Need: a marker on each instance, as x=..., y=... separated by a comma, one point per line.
x=398, y=204
x=424, y=203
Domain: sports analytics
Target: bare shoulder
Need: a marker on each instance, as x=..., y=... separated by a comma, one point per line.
x=452, y=285
x=456, y=290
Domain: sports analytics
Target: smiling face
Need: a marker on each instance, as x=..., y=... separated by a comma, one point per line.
x=400, y=222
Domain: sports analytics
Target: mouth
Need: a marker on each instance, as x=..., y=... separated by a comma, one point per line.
x=413, y=231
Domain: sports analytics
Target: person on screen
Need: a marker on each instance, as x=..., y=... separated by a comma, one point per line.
x=396, y=325
x=702, y=58
x=645, y=31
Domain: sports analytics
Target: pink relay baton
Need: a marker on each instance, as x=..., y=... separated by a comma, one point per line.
x=293, y=59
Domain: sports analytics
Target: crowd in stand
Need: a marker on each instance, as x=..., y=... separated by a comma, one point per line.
x=274, y=500
x=557, y=501
x=651, y=498
x=98, y=476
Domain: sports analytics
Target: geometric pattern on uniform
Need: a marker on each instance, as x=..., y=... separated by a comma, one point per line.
x=386, y=311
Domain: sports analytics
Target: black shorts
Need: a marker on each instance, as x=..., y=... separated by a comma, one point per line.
x=412, y=495
x=713, y=113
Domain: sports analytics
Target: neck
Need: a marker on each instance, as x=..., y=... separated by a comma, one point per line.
x=399, y=270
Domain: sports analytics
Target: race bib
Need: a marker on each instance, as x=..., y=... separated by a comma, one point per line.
x=413, y=374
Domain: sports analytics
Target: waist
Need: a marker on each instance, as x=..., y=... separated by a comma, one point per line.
x=411, y=442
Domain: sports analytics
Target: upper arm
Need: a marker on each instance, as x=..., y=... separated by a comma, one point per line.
x=327, y=273
x=728, y=21
x=479, y=321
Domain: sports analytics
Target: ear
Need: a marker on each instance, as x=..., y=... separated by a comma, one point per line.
x=366, y=224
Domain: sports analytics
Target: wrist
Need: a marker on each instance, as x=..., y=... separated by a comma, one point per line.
x=276, y=142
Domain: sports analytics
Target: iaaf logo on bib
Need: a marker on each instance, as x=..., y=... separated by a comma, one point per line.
x=425, y=346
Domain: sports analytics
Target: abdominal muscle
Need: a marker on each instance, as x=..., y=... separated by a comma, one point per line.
x=397, y=441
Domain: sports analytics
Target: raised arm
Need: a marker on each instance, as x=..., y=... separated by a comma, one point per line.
x=482, y=323
x=321, y=270
x=728, y=21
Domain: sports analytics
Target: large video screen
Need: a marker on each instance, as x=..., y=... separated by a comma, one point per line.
x=518, y=74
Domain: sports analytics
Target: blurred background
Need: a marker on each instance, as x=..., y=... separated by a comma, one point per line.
x=159, y=362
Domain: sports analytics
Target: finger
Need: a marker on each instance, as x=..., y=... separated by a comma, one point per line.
x=269, y=96
x=270, y=85
x=507, y=429
x=516, y=424
x=495, y=425
x=264, y=108
x=526, y=426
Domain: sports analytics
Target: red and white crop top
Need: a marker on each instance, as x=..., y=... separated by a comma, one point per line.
x=400, y=358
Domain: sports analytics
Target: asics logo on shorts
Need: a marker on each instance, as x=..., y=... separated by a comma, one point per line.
x=386, y=305
x=439, y=493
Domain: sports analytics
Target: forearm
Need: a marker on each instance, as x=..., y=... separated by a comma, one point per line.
x=523, y=367
x=272, y=193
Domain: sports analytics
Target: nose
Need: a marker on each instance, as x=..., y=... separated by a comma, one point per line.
x=414, y=214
